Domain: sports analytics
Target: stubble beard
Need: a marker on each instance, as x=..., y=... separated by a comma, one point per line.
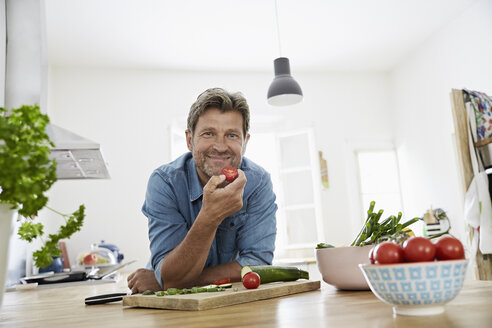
x=209, y=170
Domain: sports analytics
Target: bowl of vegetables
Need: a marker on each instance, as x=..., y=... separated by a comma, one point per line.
x=419, y=277
x=339, y=266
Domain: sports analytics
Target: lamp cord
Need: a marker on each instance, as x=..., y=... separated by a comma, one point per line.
x=278, y=29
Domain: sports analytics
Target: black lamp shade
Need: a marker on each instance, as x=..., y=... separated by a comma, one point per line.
x=284, y=90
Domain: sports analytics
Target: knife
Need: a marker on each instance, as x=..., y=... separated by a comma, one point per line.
x=105, y=298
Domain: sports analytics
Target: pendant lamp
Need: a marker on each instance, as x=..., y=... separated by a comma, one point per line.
x=284, y=90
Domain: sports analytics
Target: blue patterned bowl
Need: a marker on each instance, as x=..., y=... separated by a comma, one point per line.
x=419, y=288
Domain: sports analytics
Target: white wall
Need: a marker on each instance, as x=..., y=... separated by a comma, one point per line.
x=129, y=112
x=458, y=56
x=346, y=109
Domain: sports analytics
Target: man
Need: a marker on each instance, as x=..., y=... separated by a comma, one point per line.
x=201, y=228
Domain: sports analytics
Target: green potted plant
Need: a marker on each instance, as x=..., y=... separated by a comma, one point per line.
x=27, y=173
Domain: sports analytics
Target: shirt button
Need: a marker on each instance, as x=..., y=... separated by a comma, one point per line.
x=231, y=224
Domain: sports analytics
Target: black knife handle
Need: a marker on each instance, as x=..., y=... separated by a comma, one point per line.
x=105, y=298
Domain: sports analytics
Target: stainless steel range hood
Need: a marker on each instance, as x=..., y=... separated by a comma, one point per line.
x=26, y=81
x=77, y=157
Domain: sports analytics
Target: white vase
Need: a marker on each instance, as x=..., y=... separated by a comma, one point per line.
x=7, y=217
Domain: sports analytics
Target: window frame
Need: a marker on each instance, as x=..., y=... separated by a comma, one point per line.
x=314, y=169
x=358, y=211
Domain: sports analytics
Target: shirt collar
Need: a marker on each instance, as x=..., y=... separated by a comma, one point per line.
x=196, y=189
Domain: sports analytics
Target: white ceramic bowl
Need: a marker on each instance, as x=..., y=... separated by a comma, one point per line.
x=419, y=288
x=340, y=266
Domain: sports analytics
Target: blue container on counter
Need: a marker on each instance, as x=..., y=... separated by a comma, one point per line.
x=55, y=266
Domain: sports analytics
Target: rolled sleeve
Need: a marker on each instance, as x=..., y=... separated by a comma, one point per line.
x=256, y=238
x=167, y=227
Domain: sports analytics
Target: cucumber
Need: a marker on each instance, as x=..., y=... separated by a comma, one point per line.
x=229, y=285
x=271, y=273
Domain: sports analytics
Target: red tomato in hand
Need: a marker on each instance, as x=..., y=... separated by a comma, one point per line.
x=388, y=252
x=251, y=280
x=449, y=248
x=90, y=259
x=230, y=173
x=419, y=249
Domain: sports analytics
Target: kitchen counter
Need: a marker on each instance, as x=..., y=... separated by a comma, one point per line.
x=327, y=307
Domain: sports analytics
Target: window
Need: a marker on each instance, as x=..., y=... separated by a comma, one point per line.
x=299, y=197
x=379, y=181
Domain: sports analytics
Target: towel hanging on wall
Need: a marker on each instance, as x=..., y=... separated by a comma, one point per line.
x=478, y=205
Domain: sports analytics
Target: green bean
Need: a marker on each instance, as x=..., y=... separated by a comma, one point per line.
x=372, y=231
x=386, y=221
x=371, y=208
x=409, y=222
x=369, y=215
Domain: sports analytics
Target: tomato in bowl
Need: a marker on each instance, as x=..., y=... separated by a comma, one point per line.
x=449, y=248
x=417, y=288
x=419, y=277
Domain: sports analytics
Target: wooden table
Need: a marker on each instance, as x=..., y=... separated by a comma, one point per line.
x=327, y=307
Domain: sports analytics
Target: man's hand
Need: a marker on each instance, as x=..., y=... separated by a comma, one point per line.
x=219, y=203
x=142, y=280
x=184, y=264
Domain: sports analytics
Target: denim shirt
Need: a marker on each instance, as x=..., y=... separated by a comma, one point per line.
x=174, y=199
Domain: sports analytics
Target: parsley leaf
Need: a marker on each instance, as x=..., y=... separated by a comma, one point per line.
x=27, y=172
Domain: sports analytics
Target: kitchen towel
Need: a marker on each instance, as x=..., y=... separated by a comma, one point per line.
x=478, y=205
x=482, y=106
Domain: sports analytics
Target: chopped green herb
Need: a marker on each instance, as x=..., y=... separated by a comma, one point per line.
x=172, y=291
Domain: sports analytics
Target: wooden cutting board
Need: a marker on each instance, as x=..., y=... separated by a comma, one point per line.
x=235, y=295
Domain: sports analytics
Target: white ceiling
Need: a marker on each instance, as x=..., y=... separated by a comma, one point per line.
x=343, y=35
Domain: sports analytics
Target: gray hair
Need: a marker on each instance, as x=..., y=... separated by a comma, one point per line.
x=223, y=101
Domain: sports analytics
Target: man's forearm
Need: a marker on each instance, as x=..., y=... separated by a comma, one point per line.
x=184, y=264
x=231, y=270
x=184, y=267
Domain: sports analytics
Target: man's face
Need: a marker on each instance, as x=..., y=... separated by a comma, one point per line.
x=218, y=141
